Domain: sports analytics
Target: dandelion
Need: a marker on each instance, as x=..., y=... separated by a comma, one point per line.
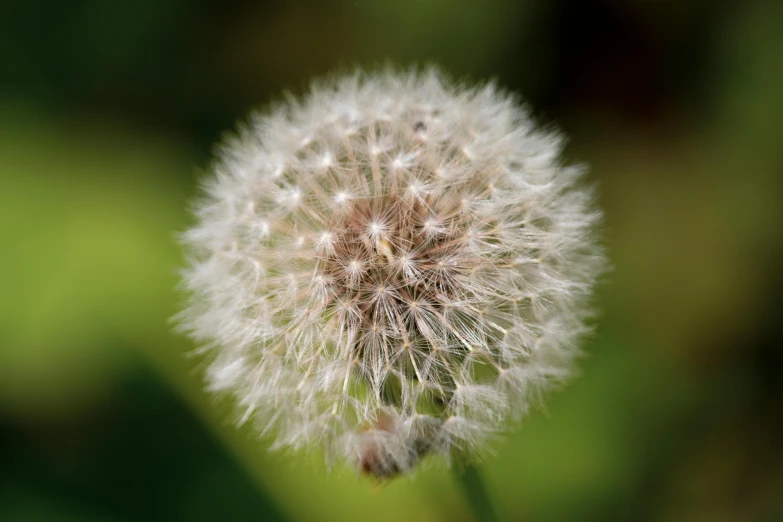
x=391, y=268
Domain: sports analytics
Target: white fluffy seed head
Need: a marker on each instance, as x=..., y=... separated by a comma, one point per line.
x=392, y=267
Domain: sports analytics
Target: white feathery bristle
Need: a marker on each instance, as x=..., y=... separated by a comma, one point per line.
x=392, y=267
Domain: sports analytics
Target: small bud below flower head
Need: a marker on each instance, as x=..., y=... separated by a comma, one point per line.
x=393, y=268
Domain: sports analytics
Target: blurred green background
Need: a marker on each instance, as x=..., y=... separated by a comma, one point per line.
x=109, y=109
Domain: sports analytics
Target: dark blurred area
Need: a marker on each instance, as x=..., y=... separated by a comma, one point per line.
x=108, y=116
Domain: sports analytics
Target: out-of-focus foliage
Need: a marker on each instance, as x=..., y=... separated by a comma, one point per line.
x=107, y=111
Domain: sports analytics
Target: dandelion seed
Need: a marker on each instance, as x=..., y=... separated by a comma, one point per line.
x=391, y=297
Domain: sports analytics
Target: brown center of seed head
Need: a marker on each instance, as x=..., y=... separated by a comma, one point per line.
x=396, y=262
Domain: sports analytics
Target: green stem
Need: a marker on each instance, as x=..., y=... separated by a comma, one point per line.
x=476, y=493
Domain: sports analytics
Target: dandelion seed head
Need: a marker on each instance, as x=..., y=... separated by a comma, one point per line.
x=390, y=268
